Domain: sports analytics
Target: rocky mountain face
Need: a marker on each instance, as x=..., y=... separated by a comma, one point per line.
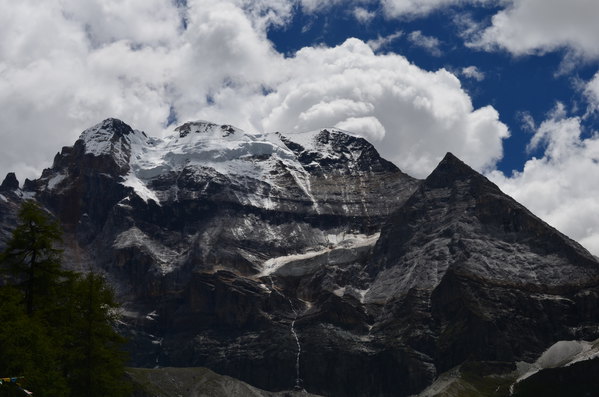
x=489, y=280
x=307, y=261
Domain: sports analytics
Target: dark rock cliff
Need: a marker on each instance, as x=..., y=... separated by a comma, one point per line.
x=491, y=281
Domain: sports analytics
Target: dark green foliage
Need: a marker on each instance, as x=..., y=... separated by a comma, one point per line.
x=27, y=350
x=55, y=326
x=95, y=357
x=30, y=257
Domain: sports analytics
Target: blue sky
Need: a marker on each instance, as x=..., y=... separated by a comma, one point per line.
x=515, y=85
x=509, y=86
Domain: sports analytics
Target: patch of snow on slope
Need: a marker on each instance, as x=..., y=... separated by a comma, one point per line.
x=97, y=140
x=560, y=354
x=140, y=188
x=442, y=384
x=309, y=139
x=273, y=264
x=340, y=291
x=3, y=198
x=55, y=180
x=195, y=127
x=134, y=237
x=362, y=293
x=25, y=195
x=306, y=139
x=302, y=179
x=348, y=241
x=226, y=149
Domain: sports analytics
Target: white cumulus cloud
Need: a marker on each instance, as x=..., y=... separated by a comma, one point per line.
x=538, y=26
x=369, y=127
x=423, y=114
x=521, y=27
x=420, y=8
x=561, y=187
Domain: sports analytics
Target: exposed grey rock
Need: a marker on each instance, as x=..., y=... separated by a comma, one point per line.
x=10, y=200
x=485, y=278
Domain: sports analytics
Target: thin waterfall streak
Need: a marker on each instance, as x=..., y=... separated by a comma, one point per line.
x=293, y=333
x=299, y=348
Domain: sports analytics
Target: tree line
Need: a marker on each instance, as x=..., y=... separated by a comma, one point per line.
x=56, y=326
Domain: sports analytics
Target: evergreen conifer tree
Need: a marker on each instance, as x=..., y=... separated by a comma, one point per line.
x=56, y=327
x=31, y=258
x=27, y=350
x=96, y=361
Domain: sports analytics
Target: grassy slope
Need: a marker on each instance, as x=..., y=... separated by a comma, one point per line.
x=194, y=382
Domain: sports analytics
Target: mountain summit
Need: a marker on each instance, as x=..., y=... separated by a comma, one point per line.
x=307, y=261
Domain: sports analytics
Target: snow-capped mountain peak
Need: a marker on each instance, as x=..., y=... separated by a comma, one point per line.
x=102, y=137
x=271, y=169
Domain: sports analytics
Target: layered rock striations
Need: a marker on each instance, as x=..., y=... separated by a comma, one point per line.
x=491, y=280
x=307, y=260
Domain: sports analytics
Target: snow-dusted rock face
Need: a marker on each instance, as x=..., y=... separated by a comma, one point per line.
x=325, y=172
x=486, y=278
x=214, y=188
x=458, y=221
x=9, y=183
x=308, y=261
x=10, y=198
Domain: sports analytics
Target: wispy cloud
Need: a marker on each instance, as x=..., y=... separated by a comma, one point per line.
x=421, y=8
x=383, y=41
x=541, y=26
x=431, y=44
x=363, y=15
x=472, y=72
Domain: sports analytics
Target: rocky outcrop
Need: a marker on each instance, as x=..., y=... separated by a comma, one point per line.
x=10, y=182
x=10, y=201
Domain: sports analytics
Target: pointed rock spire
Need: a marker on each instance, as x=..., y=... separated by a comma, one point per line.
x=451, y=170
x=117, y=126
x=97, y=139
x=10, y=182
